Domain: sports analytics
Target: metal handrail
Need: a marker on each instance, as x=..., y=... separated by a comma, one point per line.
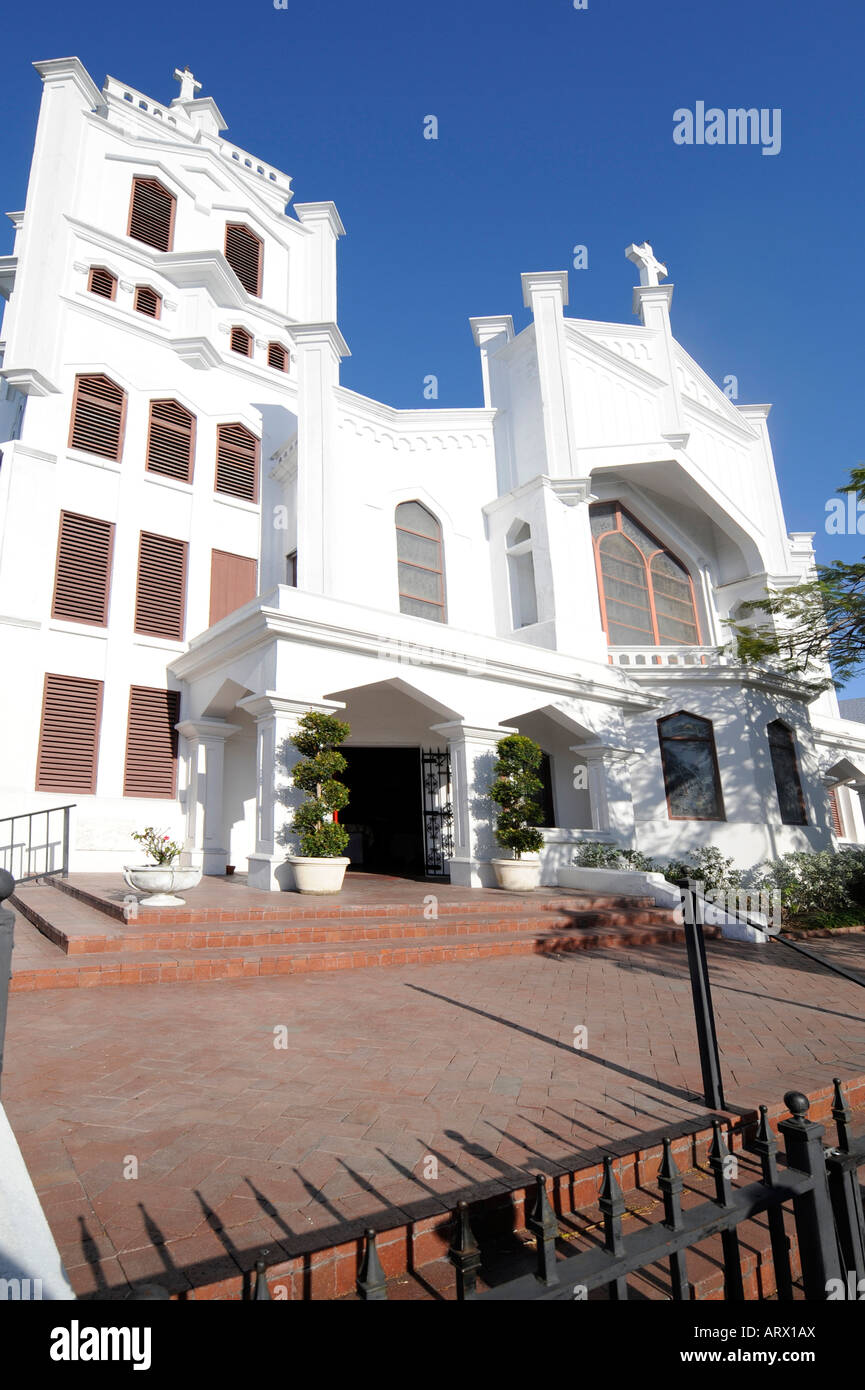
x=28, y=848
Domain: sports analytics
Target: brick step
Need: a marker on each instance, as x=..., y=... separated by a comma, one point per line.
x=176, y=966
x=236, y=903
x=73, y=926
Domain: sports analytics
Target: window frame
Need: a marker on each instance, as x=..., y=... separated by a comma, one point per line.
x=157, y=296
x=672, y=738
x=242, y=226
x=109, y=565
x=238, y=328
x=797, y=778
x=256, y=490
x=426, y=568
x=148, y=178
x=121, y=429
x=647, y=562
x=157, y=472
x=97, y=270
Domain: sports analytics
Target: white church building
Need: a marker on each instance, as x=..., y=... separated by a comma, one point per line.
x=205, y=535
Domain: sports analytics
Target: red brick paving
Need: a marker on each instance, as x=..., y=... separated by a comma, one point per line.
x=241, y=1145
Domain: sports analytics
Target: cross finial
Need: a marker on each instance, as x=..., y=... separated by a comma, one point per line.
x=650, y=267
x=188, y=84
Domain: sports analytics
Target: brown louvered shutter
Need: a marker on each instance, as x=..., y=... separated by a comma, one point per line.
x=241, y=341
x=233, y=582
x=151, y=742
x=160, y=600
x=147, y=301
x=835, y=809
x=237, y=462
x=171, y=440
x=83, y=569
x=243, y=251
x=98, y=417
x=69, y=738
x=101, y=281
x=277, y=357
x=151, y=214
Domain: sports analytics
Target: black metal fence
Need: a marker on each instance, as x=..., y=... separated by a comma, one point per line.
x=820, y=1186
x=7, y=924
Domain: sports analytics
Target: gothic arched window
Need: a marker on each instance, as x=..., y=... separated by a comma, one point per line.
x=419, y=562
x=647, y=598
x=690, y=763
x=521, y=573
x=785, y=766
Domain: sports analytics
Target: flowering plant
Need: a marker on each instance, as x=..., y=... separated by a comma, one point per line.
x=157, y=845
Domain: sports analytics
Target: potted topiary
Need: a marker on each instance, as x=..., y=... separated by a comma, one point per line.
x=515, y=790
x=320, y=867
x=160, y=878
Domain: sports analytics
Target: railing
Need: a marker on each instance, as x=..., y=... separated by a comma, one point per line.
x=27, y=859
x=667, y=656
x=821, y=1185
x=7, y=925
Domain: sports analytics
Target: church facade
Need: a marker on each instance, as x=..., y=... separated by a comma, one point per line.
x=205, y=535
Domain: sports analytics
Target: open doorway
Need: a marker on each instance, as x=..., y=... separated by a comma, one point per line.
x=384, y=816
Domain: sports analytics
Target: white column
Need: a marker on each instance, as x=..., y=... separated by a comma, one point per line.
x=610, y=795
x=472, y=755
x=276, y=721
x=323, y=221
x=205, y=818
x=319, y=348
x=546, y=294
x=652, y=303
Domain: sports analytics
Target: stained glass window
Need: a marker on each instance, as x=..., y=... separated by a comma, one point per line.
x=419, y=562
x=786, y=769
x=646, y=594
x=690, y=768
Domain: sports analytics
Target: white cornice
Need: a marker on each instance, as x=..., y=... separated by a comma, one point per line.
x=208, y=653
x=56, y=69
x=320, y=212
x=29, y=381
x=365, y=409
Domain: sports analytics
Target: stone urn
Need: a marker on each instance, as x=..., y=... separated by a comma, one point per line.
x=318, y=875
x=518, y=875
x=159, y=881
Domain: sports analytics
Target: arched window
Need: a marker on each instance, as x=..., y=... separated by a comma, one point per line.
x=647, y=598
x=98, y=416
x=170, y=440
x=785, y=766
x=690, y=763
x=419, y=561
x=521, y=573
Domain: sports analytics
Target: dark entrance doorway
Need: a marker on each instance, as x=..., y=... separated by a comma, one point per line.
x=385, y=814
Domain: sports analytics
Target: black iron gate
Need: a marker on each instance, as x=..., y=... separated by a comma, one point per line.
x=438, y=816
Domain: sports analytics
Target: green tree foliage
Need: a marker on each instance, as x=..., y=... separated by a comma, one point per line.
x=516, y=789
x=800, y=629
x=318, y=739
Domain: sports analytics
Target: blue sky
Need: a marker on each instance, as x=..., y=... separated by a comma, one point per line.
x=555, y=129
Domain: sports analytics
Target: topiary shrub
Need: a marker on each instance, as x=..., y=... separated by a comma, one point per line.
x=318, y=739
x=515, y=790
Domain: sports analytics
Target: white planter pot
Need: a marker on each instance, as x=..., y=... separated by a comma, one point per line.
x=318, y=875
x=160, y=881
x=518, y=875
